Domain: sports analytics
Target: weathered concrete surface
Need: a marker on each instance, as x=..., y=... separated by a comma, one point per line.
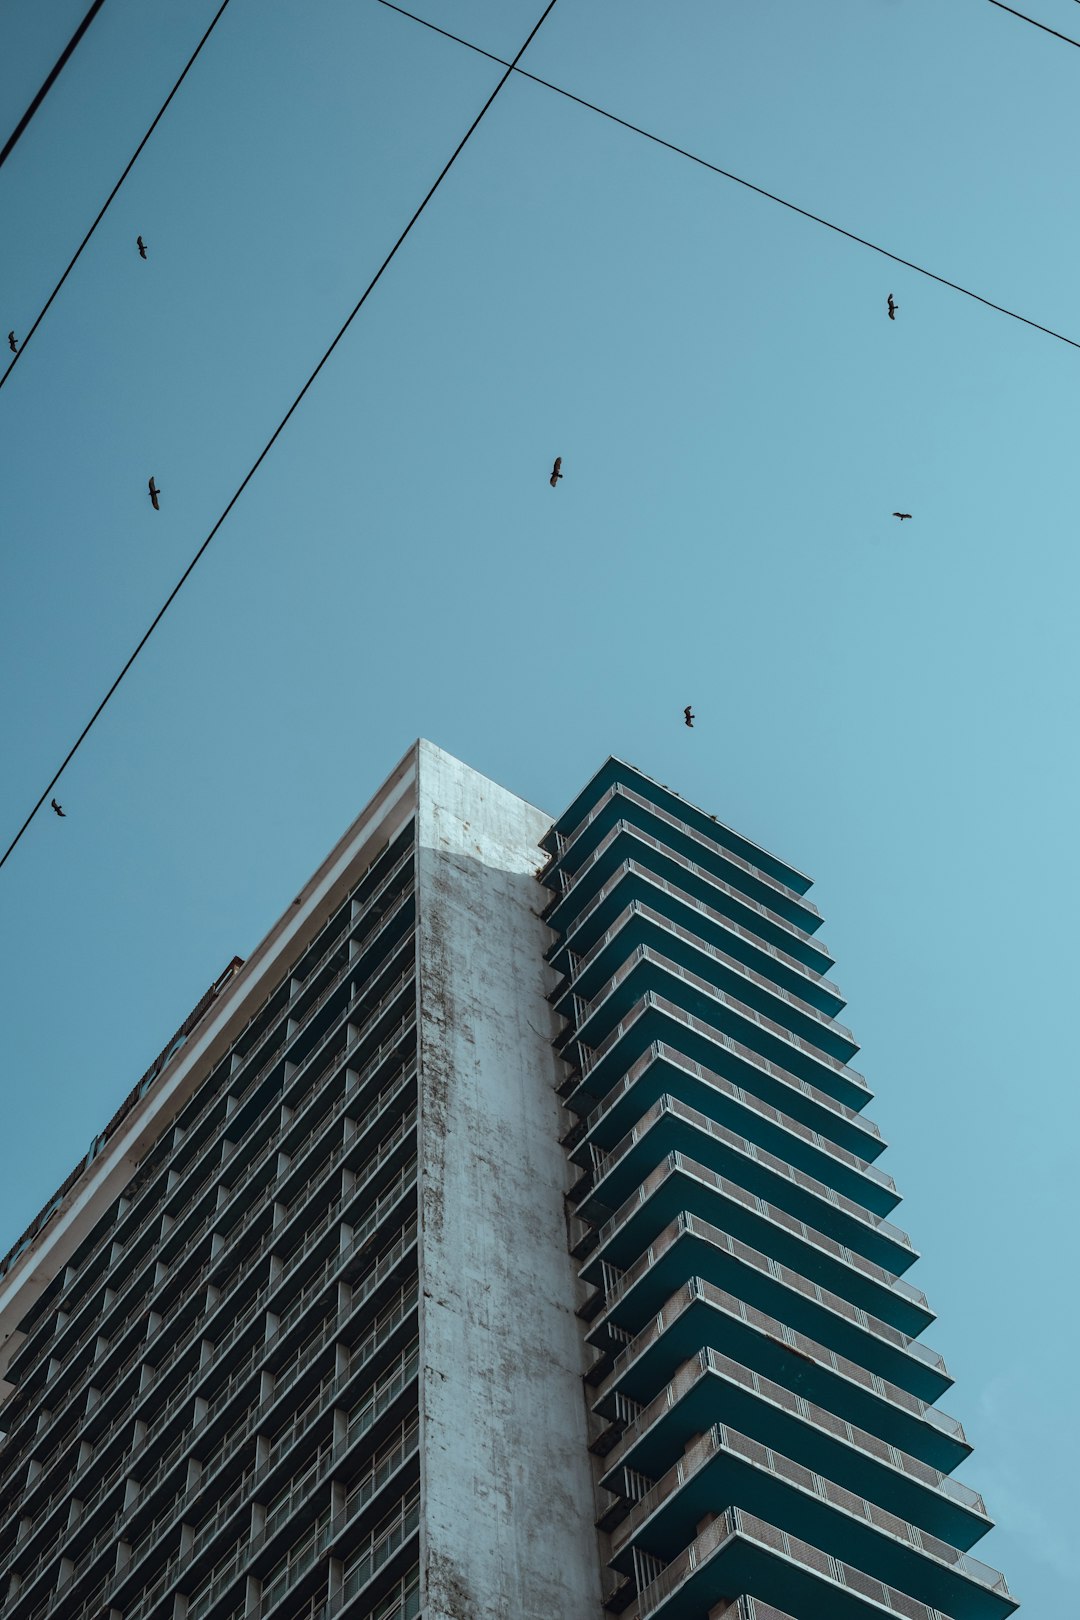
x=507, y=1483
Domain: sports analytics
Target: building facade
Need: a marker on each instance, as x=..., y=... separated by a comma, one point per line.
x=502, y=1238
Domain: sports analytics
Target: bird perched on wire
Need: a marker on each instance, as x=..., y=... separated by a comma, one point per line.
x=12, y=345
x=556, y=472
x=901, y=515
x=154, y=493
x=57, y=808
x=893, y=307
x=688, y=715
x=141, y=245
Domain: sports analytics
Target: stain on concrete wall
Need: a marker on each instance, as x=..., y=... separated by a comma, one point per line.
x=507, y=1483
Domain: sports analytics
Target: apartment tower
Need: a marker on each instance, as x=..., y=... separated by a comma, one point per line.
x=503, y=1238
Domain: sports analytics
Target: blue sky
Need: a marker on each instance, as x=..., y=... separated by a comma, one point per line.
x=889, y=707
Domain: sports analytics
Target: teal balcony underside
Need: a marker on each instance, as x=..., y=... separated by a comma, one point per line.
x=692, y=1248
x=646, y=971
x=640, y=925
x=624, y=804
x=726, y=1470
x=654, y=1019
x=741, y=1554
x=625, y=843
x=683, y=1185
x=674, y=1129
x=702, y=1316
x=712, y=1393
x=634, y=884
x=662, y=1070
x=616, y=771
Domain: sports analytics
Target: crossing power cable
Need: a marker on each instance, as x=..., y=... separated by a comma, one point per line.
x=58, y=67
x=268, y=446
x=1035, y=23
x=105, y=205
x=726, y=174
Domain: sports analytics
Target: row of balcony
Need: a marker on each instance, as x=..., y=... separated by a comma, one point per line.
x=626, y=842
x=622, y=803
x=132, y=1216
x=635, y=884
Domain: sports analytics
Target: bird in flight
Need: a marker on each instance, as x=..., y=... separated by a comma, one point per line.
x=12, y=345
x=57, y=808
x=689, y=716
x=154, y=493
x=141, y=245
x=893, y=307
x=902, y=515
x=556, y=472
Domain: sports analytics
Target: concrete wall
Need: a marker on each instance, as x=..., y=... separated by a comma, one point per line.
x=508, y=1493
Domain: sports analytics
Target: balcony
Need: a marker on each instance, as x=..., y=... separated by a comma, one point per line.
x=635, y=884
x=628, y=843
x=670, y=1126
x=662, y=1070
x=739, y=1552
x=680, y=1185
x=645, y=971
x=700, y=1314
x=640, y=925
x=725, y=1468
x=617, y=770
x=654, y=1019
x=622, y=804
x=713, y=1388
x=690, y=1247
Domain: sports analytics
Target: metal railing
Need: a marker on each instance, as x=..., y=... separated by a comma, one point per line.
x=638, y=908
x=650, y=1001
x=699, y=1290
x=668, y=1105
x=692, y=1225
x=676, y=1162
x=712, y=1361
x=724, y=1441
x=737, y=1522
x=717, y=918
x=663, y=1052
x=621, y=791
x=650, y=957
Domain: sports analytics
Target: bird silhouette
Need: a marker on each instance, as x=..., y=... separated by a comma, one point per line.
x=57, y=808
x=689, y=713
x=556, y=472
x=141, y=245
x=12, y=345
x=893, y=307
x=154, y=493
x=902, y=515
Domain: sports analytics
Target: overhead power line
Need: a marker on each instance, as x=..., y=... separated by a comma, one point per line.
x=105, y=205
x=1035, y=24
x=726, y=174
x=20, y=127
x=265, y=451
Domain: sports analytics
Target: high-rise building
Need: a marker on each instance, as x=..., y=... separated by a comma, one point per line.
x=502, y=1239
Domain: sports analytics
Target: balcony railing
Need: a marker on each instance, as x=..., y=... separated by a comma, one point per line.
x=712, y=1361
x=691, y=1225
x=697, y=1289
x=673, y=1107
x=621, y=791
x=678, y=1162
x=661, y=1051
x=737, y=1522
x=724, y=1441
